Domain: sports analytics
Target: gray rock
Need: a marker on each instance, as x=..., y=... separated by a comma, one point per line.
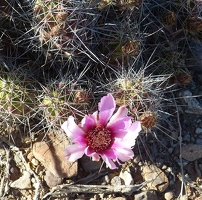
x=187, y=137
x=199, y=141
x=116, y=180
x=191, y=152
x=198, y=130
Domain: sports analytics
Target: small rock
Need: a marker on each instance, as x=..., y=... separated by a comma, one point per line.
x=51, y=180
x=2, y=152
x=106, y=179
x=191, y=152
x=187, y=137
x=199, y=141
x=116, y=180
x=117, y=198
x=136, y=159
x=169, y=195
x=157, y=180
x=193, y=105
x=35, y=162
x=24, y=182
x=198, y=130
x=126, y=176
x=17, y=159
x=51, y=155
x=146, y=195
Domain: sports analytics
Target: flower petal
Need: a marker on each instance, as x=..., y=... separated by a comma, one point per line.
x=106, y=108
x=109, y=162
x=88, y=122
x=122, y=151
x=133, y=132
x=120, y=113
x=121, y=124
x=91, y=153
x=71, y=129
x=74, y=152
x=124, y=154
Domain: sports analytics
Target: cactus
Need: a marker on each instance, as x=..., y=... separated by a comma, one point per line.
x=142, y=94
x=17, y=97
x=65, y=27
x=60, y=99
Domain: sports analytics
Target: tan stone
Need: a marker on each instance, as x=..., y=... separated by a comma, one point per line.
x=50, y=153
x=156, y=178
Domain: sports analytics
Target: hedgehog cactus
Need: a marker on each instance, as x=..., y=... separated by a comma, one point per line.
x=133, y=94
x=17, y=98
x=59, y=101
x=64, y=26
x=142, y=95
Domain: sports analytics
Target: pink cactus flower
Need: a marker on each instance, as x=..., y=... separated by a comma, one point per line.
x=103, y=134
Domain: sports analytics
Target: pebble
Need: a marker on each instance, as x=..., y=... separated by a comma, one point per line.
x=157, y=180
x=126, y=176
x=35, y=162
x=169, y=195
x=136, y=159
x=117, y=198
x=24, y=182
x=187, y=137
x=146, y=195
x=2, y=152
x=198, y=130
x=116, y=180
x=106, y=179
x=17, y=159
x=199, y=141
x=52, y=157
x=191, y=152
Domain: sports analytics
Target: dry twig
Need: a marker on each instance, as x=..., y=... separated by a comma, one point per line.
x=94, y=189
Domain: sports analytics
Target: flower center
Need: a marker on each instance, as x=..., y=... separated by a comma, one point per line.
x=99, y=139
